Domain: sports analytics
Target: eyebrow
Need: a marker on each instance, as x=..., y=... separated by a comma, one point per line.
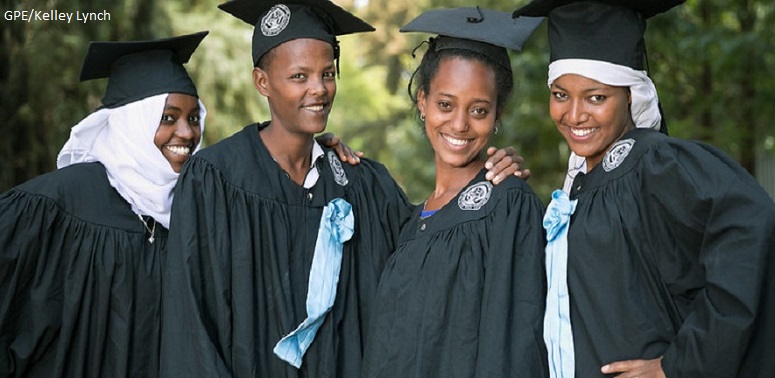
x=475, y=100
x=173, y=107
x=593, y=89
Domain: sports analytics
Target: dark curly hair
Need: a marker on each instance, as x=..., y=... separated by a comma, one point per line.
x=429, y=67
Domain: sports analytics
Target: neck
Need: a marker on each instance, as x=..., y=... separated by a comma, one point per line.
x=450, y=181
x=292, y=151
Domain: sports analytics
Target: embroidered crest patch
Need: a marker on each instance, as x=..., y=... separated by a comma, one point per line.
x=475, y=196
x=336, y=166
x=617, y=153
x=276, y=20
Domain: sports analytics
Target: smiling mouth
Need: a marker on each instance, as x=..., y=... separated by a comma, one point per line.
x=582, y=132
x=179, y=150
x=314, y=108
x=455, y=141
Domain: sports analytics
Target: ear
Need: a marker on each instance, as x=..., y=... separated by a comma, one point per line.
x=421, y=101
x=261, y=81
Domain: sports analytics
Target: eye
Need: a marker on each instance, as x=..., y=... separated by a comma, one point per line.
x=329, y=75
x=481, y=112
x=167, y=118
x=559, y=96
x=444, y=105
x=194, y=119
x=298, y=76
x=596, y=99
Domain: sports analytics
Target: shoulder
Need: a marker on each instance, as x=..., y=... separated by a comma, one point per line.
x=80, y=190
x=229, y=158
x=223, y=152
x=84, y=178
x=489, y=197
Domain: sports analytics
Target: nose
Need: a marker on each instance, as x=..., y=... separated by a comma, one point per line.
x=318, y=87
x=459, y=121
x=183, y=129
x=576, y=114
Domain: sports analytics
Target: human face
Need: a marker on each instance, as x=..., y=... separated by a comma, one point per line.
x=179, y=131
x=299, y=82
x=590, y=115
x=460, y=111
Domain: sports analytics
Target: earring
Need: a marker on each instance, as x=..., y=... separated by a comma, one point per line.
x=496, y=130
x=422, y=117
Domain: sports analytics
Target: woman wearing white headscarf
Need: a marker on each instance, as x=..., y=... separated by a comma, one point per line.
x=660, y=250
x=81, y=248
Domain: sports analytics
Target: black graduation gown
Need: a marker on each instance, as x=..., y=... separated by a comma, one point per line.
x=671, y=254
x=243, y=237
x=464, y=293
x=80, y=285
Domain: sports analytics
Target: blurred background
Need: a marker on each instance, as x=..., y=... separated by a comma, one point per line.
x=712, y=61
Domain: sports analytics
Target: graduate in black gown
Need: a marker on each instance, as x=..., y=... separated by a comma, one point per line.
x=660, y=252
x=81, y=248
x=463, y=294
x=250, y=227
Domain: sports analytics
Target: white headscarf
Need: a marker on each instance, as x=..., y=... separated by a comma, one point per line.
x=644, y=106
x=121, y=139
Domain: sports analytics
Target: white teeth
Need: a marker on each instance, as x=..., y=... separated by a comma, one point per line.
x=314, y=108
x=582, y=132
x=179, y=150
x=453, y=141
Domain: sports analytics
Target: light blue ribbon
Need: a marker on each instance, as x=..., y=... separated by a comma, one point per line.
x=336, y=227
x=558, y=334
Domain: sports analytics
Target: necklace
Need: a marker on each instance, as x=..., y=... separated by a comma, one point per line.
x=150, y=230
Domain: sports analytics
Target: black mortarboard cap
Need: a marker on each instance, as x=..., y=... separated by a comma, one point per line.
x=276, y=22
x=605, y=30
x=485, y=31
x=140, y=69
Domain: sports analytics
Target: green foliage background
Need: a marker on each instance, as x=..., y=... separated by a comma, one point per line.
x=712, y=62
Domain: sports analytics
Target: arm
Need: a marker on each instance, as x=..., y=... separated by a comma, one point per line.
x=196, y=324
x=501, y=162
x=721, y=225
x=511, y=324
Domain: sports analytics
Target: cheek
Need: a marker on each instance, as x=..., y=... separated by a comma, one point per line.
x=331, y=88
x=197, y=131
x=555, y=111
x=160, y=137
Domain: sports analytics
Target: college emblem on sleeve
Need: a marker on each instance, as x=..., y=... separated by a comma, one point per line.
x=276, y=20
x=475, y=196
x=336, y=166
x=617, y=153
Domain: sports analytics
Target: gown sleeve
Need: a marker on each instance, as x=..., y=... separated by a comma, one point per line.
x=196, y=327
x=717, y=217
x=514, y=293
x=27, y=320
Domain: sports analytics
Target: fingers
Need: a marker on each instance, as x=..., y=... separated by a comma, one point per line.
x=619, y=366
x=490, y=152
x=328, y=139
x=635, y=368
x=502, y=163
x=524, y=174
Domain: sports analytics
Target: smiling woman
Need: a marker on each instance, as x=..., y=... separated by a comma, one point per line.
x=267, y=218
x=463, y=295
x=179, y=132
x=81, y=248
x=660, y=250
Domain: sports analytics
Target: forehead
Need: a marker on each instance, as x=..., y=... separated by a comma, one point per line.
x=302, y=51
x=575, y=82
x=181, y=100
x=464, y=74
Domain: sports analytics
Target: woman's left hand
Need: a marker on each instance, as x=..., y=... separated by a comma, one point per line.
x=344, y=152
x=636, y=368
x=504, y=162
